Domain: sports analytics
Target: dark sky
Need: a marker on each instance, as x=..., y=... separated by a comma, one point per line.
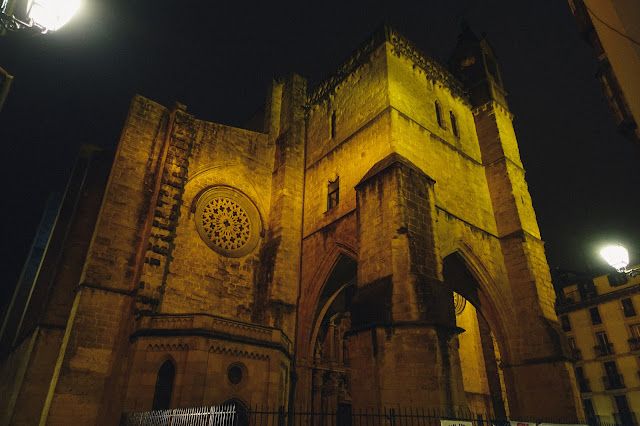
x=74, y=87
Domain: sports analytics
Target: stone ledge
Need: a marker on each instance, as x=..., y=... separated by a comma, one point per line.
x=206, y=325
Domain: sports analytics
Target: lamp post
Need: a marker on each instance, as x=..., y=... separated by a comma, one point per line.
x=45, y=15
x=618, y=257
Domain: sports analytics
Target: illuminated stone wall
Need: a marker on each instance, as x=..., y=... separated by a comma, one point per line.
x=216, y=247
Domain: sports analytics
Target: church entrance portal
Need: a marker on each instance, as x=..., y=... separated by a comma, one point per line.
x=331, y=375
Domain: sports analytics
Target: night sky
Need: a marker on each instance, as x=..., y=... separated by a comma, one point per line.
x=74, y=86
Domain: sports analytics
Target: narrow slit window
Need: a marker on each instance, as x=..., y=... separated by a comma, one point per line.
x=439, y=115
x=454, y=123
x=332, y=125
x=566, y=325
x=333, y=193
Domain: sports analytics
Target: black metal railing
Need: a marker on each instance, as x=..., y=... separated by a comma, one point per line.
x=604, y=349
x=234, y=416
x=614, y=381
x=576, y=354
x=634, y=344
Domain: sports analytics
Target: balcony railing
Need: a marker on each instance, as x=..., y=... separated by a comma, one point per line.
x=628, y=418
x=613, y=382
x=634, y=344
x=576, y=354
x=604, y=350
x=584, y=386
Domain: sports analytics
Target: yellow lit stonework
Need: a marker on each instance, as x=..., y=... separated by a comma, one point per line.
x=310, y=259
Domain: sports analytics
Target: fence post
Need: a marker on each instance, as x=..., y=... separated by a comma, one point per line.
x=392, y=416
x=281, y=416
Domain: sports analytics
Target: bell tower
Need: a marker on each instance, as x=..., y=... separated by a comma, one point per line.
x=475, y=64
x=539, y=358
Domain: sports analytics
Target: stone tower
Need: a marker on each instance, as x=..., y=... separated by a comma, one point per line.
x=370, y=242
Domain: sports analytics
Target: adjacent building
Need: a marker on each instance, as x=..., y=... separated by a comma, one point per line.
x=601, y=319
x=370, y=242
x=612, y=28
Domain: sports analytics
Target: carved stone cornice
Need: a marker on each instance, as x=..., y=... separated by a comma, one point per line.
x=211, y=327
x=237, y=353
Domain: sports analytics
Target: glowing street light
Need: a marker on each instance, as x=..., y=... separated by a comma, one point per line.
x=46, y=15
x=618, y=257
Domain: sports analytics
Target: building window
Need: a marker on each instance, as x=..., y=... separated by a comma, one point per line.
x=603, y=347
x=164, y=386
x=589, y=412
x=625, y=417
x=583, y=383
x=333, y=193
x=627, y=307
x=439, y=115
x=617, y=279
x=635, y=330
x=566, y=325
x=634, y=342
x=454, y=124
x=332, y=125
x=576, y=354
x=612, y=379
x=235, y=373
x=595, y=316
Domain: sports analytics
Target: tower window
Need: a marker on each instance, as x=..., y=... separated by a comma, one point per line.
x=332, y=125
x=628, y=308
x=566, y=325
x=595, y=316
x=333, y=193
x=439, y=115
x=454, y=124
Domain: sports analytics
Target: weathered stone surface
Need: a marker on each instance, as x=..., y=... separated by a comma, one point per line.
x=341, y=303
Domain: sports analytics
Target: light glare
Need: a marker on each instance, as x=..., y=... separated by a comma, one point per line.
x=50, y=15
x=616, y=256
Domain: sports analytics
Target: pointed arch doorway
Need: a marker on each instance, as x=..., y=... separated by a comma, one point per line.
x=479, y=352
x=332, y=319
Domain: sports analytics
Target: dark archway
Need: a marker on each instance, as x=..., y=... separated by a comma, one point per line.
x=164, y=386
x=241, y=417
x=332, y=319
x=478, y=349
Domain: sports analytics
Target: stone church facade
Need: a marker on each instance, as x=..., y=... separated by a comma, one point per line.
x=367, y=243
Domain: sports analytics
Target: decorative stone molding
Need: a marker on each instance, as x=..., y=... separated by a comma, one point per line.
x=167, y=347
x=235, y=352
x=213, y=327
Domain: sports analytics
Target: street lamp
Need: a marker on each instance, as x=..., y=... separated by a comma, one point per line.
x=618, y=257
x=45, y=15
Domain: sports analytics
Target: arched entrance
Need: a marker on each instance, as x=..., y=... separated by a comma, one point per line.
x=241, y=417
x=479, y=352
x=332, y=319
x=164, y=386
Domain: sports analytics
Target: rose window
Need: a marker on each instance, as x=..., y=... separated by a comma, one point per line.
x=227, y=221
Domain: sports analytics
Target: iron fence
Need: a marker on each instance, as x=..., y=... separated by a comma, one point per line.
x=234, y=415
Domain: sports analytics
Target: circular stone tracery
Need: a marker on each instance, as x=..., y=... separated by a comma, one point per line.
x=227, y=221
